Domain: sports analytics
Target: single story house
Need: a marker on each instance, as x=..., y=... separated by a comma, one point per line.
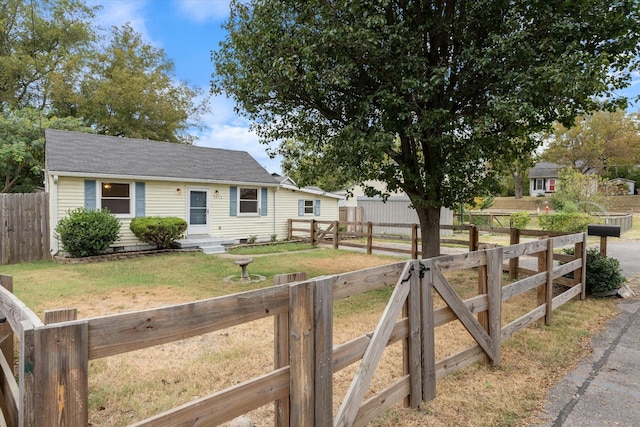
x=543, y=178
x=222, y=194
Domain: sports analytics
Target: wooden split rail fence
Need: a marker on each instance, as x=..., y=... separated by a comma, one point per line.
x=334, y=231
x=54, y=355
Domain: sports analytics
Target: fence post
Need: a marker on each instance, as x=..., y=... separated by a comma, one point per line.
x=549, y=286
x=336, y=234
x=483, y=316
x=414, y=241
x=61, y=315
x=494, y=290
x=428, y=334
x=313, y=230
x=323, y=337
x=583, y=281
x=473, y=238
x=289, y=229
x=281, y=347
x=541, y=291
x=414, y=339
x=61, y=374
x=514, y=263
x=301, y=350
x=369, y=237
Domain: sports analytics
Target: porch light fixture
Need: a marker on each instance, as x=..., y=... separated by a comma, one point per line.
x=178, y=191
x=216, y=194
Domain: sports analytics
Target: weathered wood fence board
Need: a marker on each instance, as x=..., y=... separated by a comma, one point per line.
x=24, y=227
x=53, y=358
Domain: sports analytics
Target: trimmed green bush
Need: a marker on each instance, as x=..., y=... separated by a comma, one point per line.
x=565, y=221
x=158, y=231
x=519, y=219
x=87, y=232
x=603, y=273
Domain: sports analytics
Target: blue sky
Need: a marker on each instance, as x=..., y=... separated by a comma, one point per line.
x=188, y=30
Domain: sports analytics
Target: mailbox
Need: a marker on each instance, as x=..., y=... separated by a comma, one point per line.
x=604, y=230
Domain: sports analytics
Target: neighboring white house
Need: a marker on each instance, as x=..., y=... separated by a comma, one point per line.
x=221, y=193
x=543, y=178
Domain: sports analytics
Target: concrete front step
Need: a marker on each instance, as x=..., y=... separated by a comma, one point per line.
x=209, y=245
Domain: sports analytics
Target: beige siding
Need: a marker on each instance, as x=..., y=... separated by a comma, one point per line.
x=164, y=198
x=239, y=227
x=70, y=195
x=287, y=201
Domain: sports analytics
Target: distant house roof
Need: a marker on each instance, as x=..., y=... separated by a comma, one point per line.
x=617, y=180
x=83, y=154
x=545, y=170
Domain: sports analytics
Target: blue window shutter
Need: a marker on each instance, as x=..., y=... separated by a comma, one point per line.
x=140, y=197
x=90, y=194
x=233, y=201
x=316, y=207
x=263, y=201
x=300, y=207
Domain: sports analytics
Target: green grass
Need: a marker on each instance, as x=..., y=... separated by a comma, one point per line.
x=271, y=249
x=198, y=275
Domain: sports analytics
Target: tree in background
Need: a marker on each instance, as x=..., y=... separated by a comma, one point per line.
x=22, y=147
x=432, y=98
x=517, y=169
x=308, y=168
x=130, y=90
x=597, y=141
x=41, y=44
x=579, y=192
x=54, y=73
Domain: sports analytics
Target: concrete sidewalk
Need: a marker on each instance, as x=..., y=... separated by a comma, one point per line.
x=604, y=390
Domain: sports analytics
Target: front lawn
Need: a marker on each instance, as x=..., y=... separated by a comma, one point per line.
x=135, y=385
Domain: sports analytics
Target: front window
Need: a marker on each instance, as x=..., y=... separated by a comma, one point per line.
x=116, y=197
x=539, y=184
x=308, y=207
x=552, y=185
x=248, y=200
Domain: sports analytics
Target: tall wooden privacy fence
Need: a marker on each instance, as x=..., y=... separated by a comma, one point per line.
x=24, y=228
x=53, y=357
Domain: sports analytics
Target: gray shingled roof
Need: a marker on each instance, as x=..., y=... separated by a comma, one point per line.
x=545, y=170
x=80, y=153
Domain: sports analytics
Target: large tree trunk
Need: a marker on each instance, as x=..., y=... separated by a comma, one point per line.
x=518, y=179
x=429, y=230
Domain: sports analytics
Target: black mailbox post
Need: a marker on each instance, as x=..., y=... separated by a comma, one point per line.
x=603, y=231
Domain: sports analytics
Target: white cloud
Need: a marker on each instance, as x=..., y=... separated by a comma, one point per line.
x=204, y=10
x=119, y=12
x=237, y=137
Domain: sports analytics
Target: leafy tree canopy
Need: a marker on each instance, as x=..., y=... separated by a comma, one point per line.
x=22, y=147
x=56, y=70
x=596, y=141
x=422, y=94
x=41, y=43
x=131, y=91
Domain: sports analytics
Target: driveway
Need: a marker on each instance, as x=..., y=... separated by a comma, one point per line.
x=604, y=390
x=628, y=253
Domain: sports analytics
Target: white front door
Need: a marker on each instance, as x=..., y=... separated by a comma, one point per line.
x=198, y=211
